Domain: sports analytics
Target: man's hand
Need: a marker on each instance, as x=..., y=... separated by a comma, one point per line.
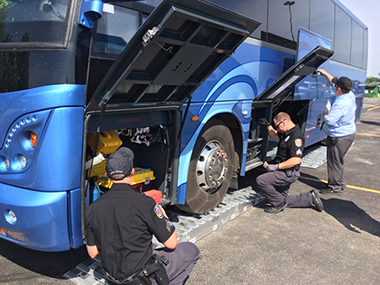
x=264, y=122
x=321, y=71
x=270, y=167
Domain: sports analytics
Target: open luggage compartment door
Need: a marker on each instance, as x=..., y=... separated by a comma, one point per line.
x=172, y=53
x=283, y=86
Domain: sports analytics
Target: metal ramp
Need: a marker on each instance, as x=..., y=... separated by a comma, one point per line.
x=314, y=156
x=189, y=228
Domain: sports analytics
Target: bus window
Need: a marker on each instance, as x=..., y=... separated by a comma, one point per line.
x=287, y=19
x=342, y=42
x=257, y=10
x=357, y=45
x=33, y=21
x=112, y=32
x=322, y=18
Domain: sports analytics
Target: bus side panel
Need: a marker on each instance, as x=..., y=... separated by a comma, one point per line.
x=34, y=219
x=74, y=218
x=240, y=78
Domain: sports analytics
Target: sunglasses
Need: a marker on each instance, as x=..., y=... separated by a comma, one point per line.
x=278, y=125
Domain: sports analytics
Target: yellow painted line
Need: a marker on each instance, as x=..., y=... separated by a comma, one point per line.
x=348, y=186
x=373, y=108
x=367, y=135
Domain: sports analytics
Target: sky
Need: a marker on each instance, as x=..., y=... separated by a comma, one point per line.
x=368, y=12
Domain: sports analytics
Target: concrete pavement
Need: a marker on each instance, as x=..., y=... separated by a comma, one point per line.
x=341, y=245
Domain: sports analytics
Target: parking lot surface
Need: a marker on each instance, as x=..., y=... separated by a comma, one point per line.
x=341, y=245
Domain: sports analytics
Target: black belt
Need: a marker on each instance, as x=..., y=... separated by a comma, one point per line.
x=127, y=280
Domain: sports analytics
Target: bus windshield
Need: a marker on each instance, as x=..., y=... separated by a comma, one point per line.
x=33, y=21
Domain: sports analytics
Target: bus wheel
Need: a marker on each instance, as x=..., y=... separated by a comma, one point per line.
x=211, y=169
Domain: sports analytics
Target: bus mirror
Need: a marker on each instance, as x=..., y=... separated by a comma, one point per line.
x=90, y=11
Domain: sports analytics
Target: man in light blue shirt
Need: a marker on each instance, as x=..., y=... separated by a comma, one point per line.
x=340, y=128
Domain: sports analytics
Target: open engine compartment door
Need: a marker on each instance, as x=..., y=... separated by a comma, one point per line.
x=171, y=54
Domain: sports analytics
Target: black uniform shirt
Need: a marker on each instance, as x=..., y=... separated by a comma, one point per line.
x=291, y=144
x=121, y=224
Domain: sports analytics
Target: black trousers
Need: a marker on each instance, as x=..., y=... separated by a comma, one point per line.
x=275, y=186
x=182, y=260
x=336, y=150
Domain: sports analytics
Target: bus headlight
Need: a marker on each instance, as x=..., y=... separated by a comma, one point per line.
x=10, y=217
x=20, y=162
x=4, y=164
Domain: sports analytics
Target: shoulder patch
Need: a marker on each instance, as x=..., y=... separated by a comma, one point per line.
x=157, y=210
x=169, y=225
x=298, y=142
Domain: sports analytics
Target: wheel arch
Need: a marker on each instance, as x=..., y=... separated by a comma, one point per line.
x=236, y=130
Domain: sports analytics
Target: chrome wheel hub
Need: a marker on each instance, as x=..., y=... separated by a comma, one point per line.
x=212, y=167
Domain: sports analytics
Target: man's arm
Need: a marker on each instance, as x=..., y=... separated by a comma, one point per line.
x=273, y=133
x=326, y=74
x=291, y=162
x=172, y=241
x=92, y=250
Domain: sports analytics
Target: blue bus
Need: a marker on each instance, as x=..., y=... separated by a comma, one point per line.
x=181, y=82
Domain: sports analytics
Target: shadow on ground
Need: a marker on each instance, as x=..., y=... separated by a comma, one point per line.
x=52, y=264
x=351, y=216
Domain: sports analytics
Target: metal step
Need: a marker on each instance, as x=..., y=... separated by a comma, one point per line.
x=314, y=156
x=189, y=228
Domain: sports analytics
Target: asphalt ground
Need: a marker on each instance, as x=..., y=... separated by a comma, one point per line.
x=341, y=245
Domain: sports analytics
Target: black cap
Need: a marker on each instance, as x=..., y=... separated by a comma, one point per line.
x=343, y=83
x=120, y=162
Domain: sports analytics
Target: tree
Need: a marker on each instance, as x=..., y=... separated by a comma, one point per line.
x=372, y=80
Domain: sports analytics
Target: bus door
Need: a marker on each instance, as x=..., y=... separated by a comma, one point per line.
x=180, y=44
x=313, y=88
x=279, y=96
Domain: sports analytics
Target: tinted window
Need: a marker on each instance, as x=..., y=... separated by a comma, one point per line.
x=257, y=10
x=322, y=18
x=112, y=33
x=33, y=21
x=357, y=44
x=342, y=40
x=284, y=22
x=365, y=49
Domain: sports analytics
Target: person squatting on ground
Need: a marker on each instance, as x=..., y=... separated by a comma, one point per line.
x=120, y=225
x=275, y=183
x=340, y=128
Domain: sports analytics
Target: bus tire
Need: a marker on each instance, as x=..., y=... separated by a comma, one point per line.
x=211, y=169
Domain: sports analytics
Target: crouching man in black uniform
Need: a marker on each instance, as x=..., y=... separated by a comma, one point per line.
x=284, y=171
x=120, y=225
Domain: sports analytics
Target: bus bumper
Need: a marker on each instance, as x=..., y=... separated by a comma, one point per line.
x=37, y=220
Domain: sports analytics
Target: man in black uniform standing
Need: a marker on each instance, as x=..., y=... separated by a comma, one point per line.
x=284, y=171
x=120, y=225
